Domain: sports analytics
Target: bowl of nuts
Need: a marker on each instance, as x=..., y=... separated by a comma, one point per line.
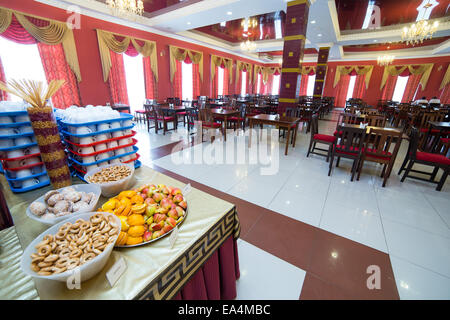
x=81, y=244
x=111, y=178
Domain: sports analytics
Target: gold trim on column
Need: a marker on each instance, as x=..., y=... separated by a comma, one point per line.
x=295, y=37
x=288, y=70
x=297, y=2
x=286, y=100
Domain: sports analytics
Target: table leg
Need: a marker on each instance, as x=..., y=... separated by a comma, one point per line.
x=287, y=140
x=225, y=129
x=295, y=135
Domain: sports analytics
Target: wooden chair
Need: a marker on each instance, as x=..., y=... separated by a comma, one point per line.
x=435, y=160
x=376, y=121
x=316, y=137
x=349, y=145
x=425, y=136
x=347, y=118
x=241, y=119
x=161, y=117
x=150, y=114
x=192, y=116
x=207, y=121
x=377, y=149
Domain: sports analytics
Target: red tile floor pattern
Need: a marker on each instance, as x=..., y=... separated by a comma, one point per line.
x=306, y=247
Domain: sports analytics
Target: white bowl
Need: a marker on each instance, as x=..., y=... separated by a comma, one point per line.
x=87, y=270
x=78, y=187
x=110, y=189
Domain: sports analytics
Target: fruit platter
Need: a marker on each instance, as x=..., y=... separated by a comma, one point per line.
x=147, y=213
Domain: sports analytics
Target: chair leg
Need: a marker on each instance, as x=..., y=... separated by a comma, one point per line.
x=309, y=149
x=383, y=172
x=331, y=164
x=442, y=181
x=434, y=173
x=337, y=162
x=361, y=163
x=410, y=165
x=330, y=148
x=354, y=168
x=404, y=164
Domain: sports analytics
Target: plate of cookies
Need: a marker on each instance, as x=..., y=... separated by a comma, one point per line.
x=58, y=205
x=81, y=243
x=111, y=178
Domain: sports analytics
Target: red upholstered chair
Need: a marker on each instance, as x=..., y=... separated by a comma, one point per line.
x=316, y=137
x=378, y=149
x=150, y=115
x=139, y=115
x=348, y=118
x=241, y=119
x=207, y=121
x=161, y=117
x=349, y=145
x=436, y=160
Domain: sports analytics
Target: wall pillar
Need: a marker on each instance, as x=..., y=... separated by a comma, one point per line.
x=321, y=71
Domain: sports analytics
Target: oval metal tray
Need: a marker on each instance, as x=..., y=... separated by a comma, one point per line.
x=165, y=234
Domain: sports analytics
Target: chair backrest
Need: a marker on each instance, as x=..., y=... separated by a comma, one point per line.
x=430, y=116
x=376, y=121
x=159, y=111
x=149, y=110
x=192, y=114
x=351, y=139
x=349, y=118
x=314, y=124
x=380, y=142
x=413, y=143
x=205, y=115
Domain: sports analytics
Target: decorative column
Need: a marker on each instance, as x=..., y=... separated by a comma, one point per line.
x=294, y=44
x=321, y=71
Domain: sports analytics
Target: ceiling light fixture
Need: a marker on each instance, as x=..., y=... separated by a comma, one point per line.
x=319, y=35
x=126, y=7
x=419, y=31
x=385, y=60
x=249, y=23
x=313, y=21
x=248, y=46
x=229, y=13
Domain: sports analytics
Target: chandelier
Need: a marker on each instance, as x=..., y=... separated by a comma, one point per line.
x=385, y=60
x=126, y=7
x=249, y=23
x=248, y=46
x=419, y=31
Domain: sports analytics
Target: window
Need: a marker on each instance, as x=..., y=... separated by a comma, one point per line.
x=243, y=83
x=258, y=85
x=21, y=61
x=310, y=87
x=400, y=88
x=187, y=88
x=134, y=73
x=278, y=34
x=220, y=81
x=351, y=87
x=276, y=85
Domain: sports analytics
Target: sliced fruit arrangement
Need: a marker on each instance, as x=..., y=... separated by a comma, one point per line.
x=146, y=213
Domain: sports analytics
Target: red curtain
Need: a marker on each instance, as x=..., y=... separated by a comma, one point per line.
x=195, y=81
x=360, y=86
x=56, y=68
x=18, y=34
x=303, y=84
x=247, y=86
x=445, y=95
x=215, y=83
x=269, y=85
x=226, y=81
x=3, y=94
x=389, y=87
x=411, y=87
x=177, y=81
x=341, y=95
x=149, y=79
x=117, y=79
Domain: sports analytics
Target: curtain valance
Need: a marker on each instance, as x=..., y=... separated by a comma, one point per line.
x=266, y=71
x=359, y=70
x=244, y=66
x=54, y=32
x=108, y=41
x=307, y=71
x=446, y=79
x=217, y=61
x=180, y=54
x=422, y=69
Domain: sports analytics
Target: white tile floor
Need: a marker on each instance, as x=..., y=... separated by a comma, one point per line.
x=266, y=277
x=410, y=220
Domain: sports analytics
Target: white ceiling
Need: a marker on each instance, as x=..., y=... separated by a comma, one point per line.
x=325, y=31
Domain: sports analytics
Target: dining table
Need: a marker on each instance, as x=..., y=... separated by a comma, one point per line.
x=287, y=123
x=224, y=115
x=201, y=262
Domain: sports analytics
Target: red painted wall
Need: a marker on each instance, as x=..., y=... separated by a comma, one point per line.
x=94, y=91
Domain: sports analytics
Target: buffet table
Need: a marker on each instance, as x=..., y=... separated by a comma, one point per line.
x=203, y=263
